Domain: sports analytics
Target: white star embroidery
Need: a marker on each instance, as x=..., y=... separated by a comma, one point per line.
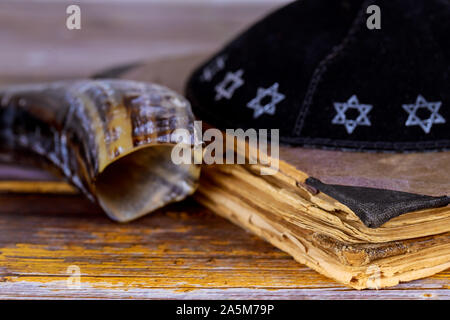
x=229, y=84
x=213, y=68
x=352, y=103
x=270, y=107
x=425, y=124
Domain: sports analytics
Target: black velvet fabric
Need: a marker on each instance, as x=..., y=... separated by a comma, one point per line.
x=335, y=83
x=376, y=206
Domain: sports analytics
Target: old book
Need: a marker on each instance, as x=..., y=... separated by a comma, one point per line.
x=323, y=233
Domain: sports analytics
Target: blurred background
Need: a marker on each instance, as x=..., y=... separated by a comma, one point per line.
x=36, y=45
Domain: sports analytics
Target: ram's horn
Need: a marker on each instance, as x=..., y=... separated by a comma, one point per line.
x=112, y=139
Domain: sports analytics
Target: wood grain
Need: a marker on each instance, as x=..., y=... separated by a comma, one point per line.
x=181, y=252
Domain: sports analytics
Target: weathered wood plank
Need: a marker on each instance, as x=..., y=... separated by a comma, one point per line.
x=181, y=252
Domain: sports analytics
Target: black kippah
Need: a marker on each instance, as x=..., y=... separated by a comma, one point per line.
x=314, y=70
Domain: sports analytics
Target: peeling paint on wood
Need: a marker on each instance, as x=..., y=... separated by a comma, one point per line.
x=183, y=251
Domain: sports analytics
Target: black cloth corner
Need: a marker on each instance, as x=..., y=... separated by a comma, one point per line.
x=377, y=206
x=316, y=72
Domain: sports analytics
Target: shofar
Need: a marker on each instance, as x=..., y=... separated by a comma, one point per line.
x=112, y=139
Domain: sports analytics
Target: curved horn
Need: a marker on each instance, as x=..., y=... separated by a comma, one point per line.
x=112, y=139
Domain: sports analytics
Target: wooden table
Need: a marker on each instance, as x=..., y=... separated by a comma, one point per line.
x=183, y=251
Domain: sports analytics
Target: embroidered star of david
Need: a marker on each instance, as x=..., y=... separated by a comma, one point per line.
x=425, y=124
x=350, y=124
x=270, y=107
x=229, y=84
